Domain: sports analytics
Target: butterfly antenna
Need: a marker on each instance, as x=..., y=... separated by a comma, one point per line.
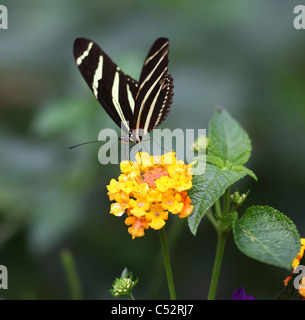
x=124, y=149
x=81, y=144
x=140, y=153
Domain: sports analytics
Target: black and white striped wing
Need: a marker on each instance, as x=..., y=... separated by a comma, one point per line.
x=155, y=92
x=115, y=91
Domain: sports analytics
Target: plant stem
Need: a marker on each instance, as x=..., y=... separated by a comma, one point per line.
x=71, y=274
x=226, y=201
x=130, y=297
x=167, y=264
x=218, y=208
x=210, y=216
x=221, y=241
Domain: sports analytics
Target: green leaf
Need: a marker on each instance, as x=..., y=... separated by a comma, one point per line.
x=125, y=273
x=267, y=235
x=228, y=140
x=208, y=187
x=218, y=162
x=244, y=169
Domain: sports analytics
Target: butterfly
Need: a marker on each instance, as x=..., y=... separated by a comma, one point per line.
x=136, y=106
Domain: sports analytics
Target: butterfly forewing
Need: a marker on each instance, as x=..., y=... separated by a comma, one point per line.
x=137, y=106
x=113, y=89
x=155, y=92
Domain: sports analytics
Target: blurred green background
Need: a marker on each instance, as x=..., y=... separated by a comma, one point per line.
x=241, y=54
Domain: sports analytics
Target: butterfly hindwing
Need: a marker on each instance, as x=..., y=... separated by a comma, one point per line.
x=155, y=92
x=115, y=91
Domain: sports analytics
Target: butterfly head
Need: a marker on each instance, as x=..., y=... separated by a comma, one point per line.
x=134, y=136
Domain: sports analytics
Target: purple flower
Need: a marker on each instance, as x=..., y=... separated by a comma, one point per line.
x=240, y=294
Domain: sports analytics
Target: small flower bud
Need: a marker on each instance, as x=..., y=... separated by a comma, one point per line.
x=200, y=145
x=237, y=198
x=124, y=285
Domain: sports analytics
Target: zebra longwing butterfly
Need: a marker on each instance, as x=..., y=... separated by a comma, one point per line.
x=136, y=107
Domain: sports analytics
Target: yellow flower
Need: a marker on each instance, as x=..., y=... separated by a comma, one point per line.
x=187, y=208
x=138, y=226
x=157, y=216
x=139, y=207
x=297, y=259
x=128, y=186
x=150, y=188
x=295, y=263
x=113, y=186
x=172, y=201
x=117, y=209
x=154, y=195
x=165, y=183
x=302, y=288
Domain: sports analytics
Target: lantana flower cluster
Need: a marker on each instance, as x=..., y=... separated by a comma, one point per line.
x=150, y=188
x=294, y=264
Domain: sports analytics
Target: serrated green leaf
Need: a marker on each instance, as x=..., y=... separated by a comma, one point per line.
x=244, y=169
x=228, y=140
x=218, y=162
x=267, y=235
x=207, y=188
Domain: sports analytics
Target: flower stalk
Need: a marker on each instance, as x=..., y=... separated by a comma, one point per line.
x=222, y=229
x=167, y=264
x=221, y=241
